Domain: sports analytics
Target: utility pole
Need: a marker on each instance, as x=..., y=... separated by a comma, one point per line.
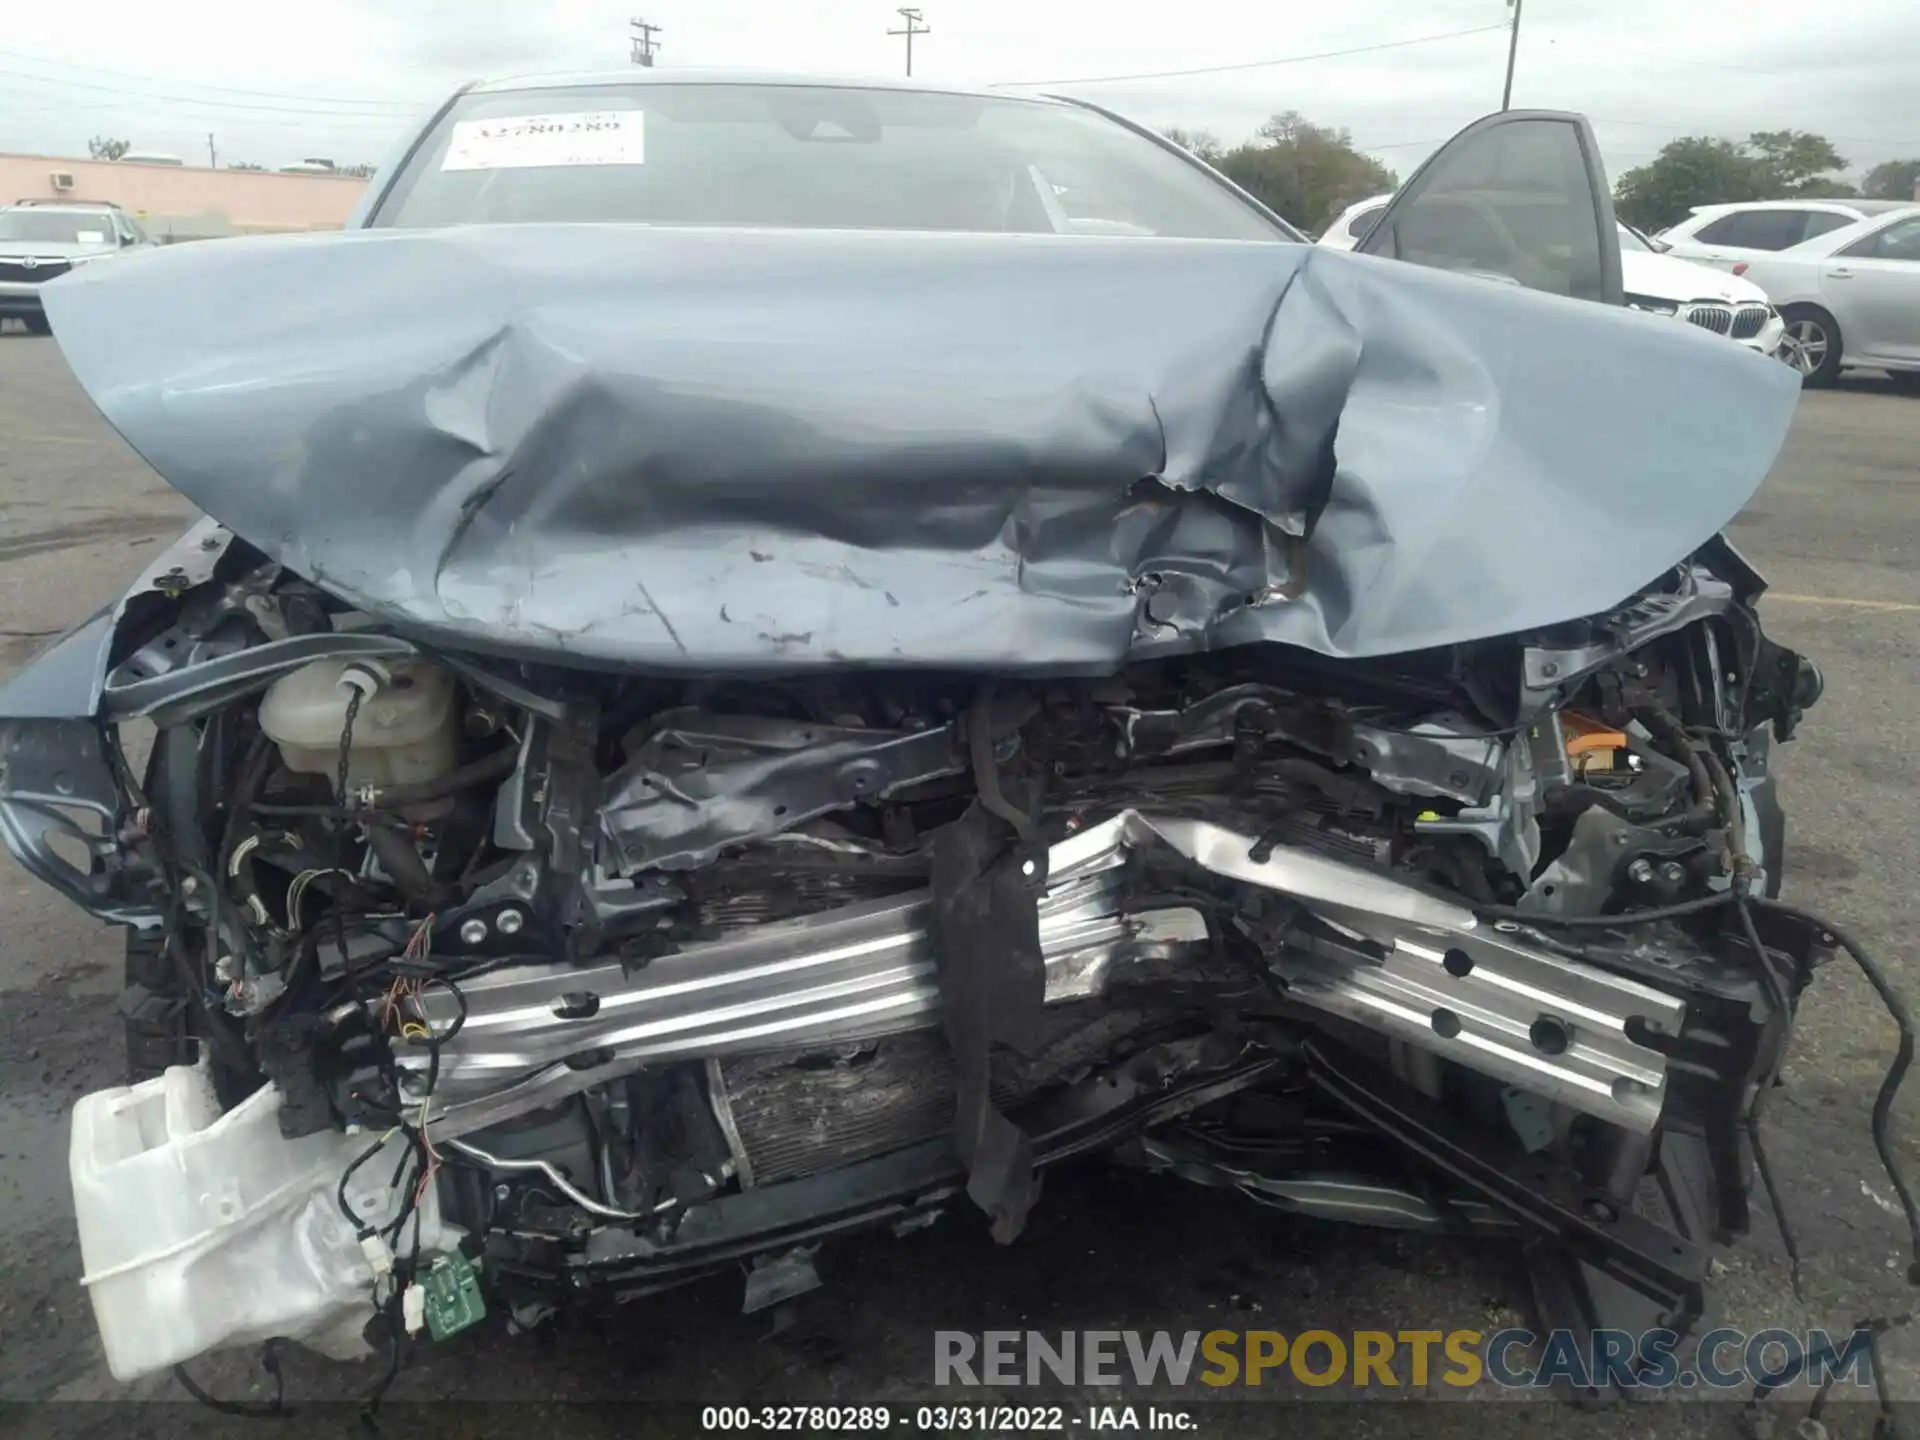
x=1513, y=49
x=213, y=160
x=644, y=45
x=916, y=25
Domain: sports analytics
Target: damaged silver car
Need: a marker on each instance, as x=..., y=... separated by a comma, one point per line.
x=771, y=659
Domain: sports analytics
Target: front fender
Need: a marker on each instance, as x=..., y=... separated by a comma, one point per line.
x=66, y=812
x=67, y=680
x=68, y=818
x=64, y=681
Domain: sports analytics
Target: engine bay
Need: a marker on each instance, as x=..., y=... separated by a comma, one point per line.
x=552, y=988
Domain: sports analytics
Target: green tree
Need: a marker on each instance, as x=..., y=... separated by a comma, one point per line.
x=102, y=148
x=1892, y=180
x=1701, y=170
x=1796, y=162
x=1693, y=170
x=1307, y=172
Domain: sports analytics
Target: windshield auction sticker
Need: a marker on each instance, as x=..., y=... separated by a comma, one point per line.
x=521, y=142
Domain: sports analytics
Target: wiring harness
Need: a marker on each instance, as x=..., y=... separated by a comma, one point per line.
x=1743, y=906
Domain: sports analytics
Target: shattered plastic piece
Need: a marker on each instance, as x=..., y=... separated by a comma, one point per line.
x=780, y=1278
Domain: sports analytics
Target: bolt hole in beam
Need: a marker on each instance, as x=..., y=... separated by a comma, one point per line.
x=1458, y=964
x=1626, y=1089
x=1550, y=1035
x=1446, y=1024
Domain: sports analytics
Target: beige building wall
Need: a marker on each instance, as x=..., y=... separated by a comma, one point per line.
x=188, y=202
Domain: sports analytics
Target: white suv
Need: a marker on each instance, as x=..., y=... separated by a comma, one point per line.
x=1726, y=235
x=41, y=240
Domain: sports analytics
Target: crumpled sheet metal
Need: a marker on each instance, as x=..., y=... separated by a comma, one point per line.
x=762, y=451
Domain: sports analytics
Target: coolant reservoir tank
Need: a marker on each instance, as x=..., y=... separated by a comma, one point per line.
x=406, y=730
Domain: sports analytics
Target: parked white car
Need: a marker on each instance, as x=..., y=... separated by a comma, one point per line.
x=1727, y=235
x=1715, y=300
x=1850, y=298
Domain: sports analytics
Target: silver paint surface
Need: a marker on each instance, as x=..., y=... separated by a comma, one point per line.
x=699, y=450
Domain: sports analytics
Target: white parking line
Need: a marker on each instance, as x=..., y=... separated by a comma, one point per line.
x=1793, y=599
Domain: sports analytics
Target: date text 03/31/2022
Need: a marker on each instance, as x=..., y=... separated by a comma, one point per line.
x=947, y=1419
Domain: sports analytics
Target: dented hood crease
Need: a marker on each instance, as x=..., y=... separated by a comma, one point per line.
x=762, y=451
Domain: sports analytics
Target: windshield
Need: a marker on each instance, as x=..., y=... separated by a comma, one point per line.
x=808, y=157
x=1630, y=240
x=52, y=227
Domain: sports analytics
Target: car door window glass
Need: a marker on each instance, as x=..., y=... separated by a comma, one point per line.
x=1363, y=222
x=1517, y=203
x=1899, y=241
x=1819, y=222
x=1756, y=229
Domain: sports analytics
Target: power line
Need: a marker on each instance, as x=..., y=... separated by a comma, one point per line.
x=1258, y=64
x=914, y=19
x=135, y=110
x=222, y=89
x=1662, y=59
x=197, y=100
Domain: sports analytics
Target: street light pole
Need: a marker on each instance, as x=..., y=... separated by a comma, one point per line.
x=1513, y=49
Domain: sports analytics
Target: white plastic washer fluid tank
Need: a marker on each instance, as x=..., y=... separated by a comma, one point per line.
x=406, y=730
x=200, y=1231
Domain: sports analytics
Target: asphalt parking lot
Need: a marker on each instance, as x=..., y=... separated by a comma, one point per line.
x=1836, y=528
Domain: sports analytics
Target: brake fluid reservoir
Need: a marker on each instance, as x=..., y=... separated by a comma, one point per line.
x=405, y=732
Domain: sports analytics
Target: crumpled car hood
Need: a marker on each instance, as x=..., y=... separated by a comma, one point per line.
x=760, y=451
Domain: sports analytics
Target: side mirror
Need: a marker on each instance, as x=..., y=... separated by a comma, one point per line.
x=1520, y=195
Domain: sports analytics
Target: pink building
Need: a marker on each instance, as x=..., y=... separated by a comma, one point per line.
x=187, y=202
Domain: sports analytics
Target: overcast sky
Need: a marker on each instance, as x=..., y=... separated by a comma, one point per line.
x=339, y=78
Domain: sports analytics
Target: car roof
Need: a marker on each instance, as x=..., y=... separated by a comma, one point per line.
x=1841, y=204
x=78, y=207
x=640, y=75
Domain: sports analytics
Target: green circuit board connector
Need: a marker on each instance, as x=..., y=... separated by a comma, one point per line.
x=453, y=1296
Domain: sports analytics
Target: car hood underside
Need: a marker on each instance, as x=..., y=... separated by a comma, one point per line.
x=760, y=451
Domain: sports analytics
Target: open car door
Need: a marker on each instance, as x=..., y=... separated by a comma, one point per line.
x=1520, y=197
